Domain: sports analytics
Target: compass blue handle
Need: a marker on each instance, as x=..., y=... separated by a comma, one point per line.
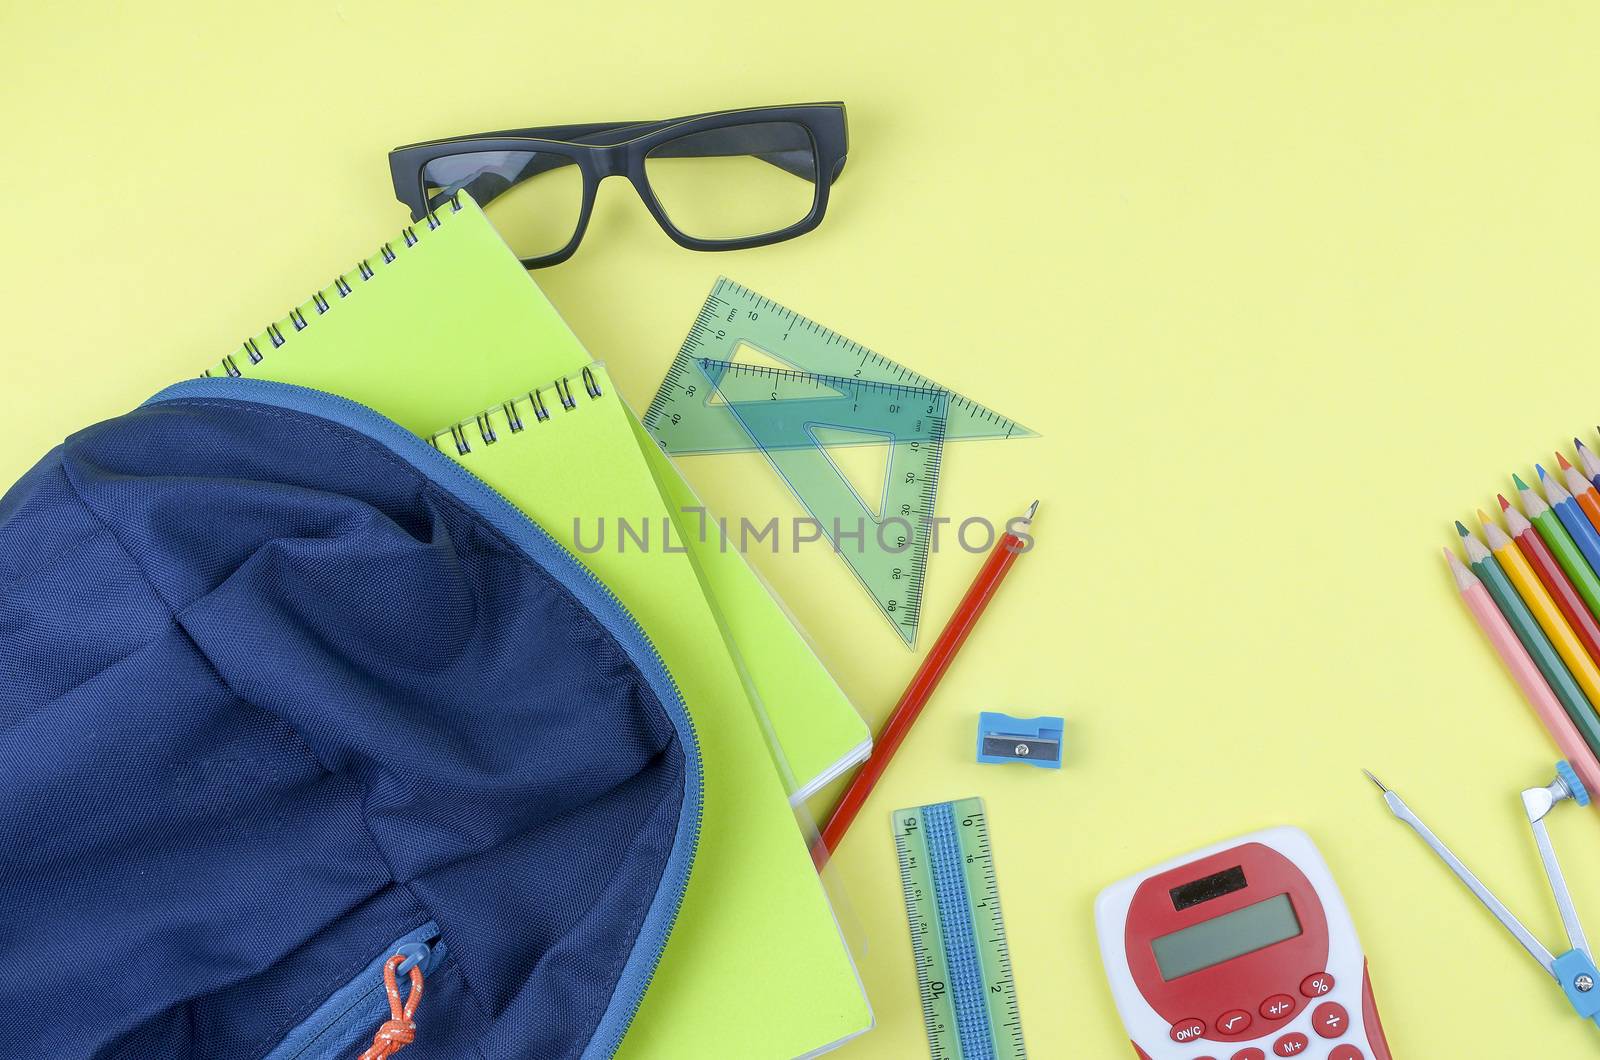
x=1580, y=981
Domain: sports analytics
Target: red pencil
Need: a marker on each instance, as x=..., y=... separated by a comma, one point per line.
x=1555, y=580
x=920, y=690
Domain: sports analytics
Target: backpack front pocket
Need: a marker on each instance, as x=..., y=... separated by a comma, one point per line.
x=343, y=1025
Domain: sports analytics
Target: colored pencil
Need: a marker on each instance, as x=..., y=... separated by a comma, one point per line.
x=1590, y=463
x=1526, y=627
x=1525, y=673
x=1572, y=517
x=1553, y=578
x=1582, y=491
x=1548, y=615
x=923, y=682
x=1566, y=550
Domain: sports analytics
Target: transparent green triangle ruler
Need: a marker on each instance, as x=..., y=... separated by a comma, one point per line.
x=714, y=399
x=790, y=415
x=683, y=417
x=958, y=937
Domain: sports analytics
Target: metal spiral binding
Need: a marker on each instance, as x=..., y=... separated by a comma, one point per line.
x=515, y=420
x=297, y=317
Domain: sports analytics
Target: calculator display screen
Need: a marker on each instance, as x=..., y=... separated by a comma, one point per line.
x=1255, y=927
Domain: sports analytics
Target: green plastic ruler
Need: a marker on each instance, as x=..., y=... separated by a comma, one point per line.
x=838, y=393
x=958, y=939
x=790, y=416
x=684, y=418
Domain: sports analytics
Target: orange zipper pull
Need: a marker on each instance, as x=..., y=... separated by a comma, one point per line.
x=400, y=1029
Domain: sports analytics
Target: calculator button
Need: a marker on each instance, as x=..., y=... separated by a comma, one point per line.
x=1188, y=1030
x=1318, y=985
x=1291, y=1045
x=1330, y=1019
x=1251, y=1053
x=1347, y=1052
x=1277, y=1007
x=1233, y=1022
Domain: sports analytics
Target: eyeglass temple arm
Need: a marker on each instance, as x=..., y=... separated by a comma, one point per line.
x=484, y=187
x=792, y=154
x=766, y=145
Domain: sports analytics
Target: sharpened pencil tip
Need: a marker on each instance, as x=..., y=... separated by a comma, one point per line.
x=1543, y=474
x=1461, y=528
x=1516, y=478
x=1577, y=443
x=1485, y=518
x=1505, y=505
x=1376, y=781
x=1563, y=462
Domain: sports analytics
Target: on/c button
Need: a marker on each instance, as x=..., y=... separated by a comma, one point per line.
x=1188, y=1030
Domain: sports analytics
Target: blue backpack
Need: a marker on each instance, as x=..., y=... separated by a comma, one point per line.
x=285, y=693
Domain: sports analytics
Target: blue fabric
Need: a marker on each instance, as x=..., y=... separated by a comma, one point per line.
x=278, y=686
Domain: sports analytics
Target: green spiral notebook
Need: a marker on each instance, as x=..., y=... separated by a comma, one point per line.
x=442, y=322
x=756, y=929
x=445, y=318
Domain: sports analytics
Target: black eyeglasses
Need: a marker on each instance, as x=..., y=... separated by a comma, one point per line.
x=720, y=181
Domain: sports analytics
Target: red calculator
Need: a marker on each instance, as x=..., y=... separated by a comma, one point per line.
x=1240, y=951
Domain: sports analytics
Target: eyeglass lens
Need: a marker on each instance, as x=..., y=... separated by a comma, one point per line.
x=534, y=198
x=736, y=181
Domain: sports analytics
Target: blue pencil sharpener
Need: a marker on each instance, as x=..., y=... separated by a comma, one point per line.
x=1036, y=741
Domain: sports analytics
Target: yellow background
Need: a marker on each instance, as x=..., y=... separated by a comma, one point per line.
x=1286, y=287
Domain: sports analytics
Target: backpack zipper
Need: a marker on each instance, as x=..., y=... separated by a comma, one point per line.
x=341, y=1025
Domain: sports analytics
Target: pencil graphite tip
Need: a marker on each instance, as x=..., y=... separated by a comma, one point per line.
x=1484, y=518
x=1463, y=578
x=1505, y=505
x=1577, y=443
x=1517, y=479
x=1562, y=461
x=1544, y=476
x=1461, y=528
x=1586, y=459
